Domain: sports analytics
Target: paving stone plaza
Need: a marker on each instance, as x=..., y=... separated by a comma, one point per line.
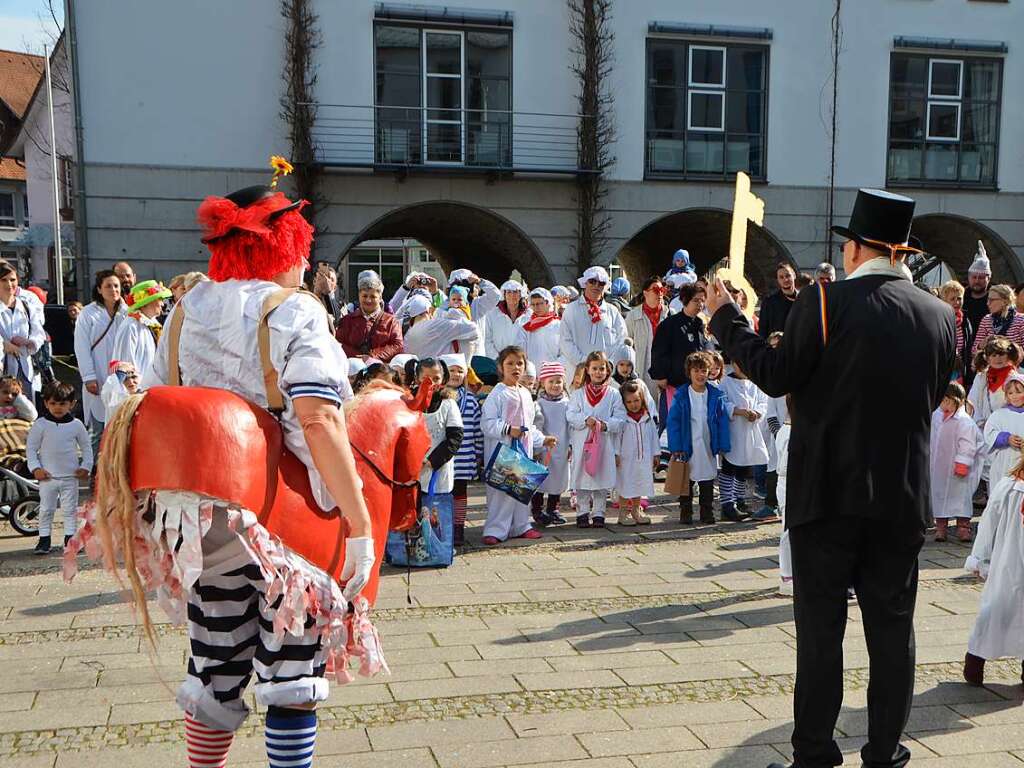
x=624, y=648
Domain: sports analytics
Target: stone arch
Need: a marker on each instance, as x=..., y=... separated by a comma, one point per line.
x=953, y=239
x=463, y=235
x=704, y=232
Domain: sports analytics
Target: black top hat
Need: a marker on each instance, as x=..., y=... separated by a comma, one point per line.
x=247, y=196
x=879, y=218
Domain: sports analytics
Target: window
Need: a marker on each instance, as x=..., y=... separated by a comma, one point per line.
x=386, y=262
x=706, y=109
x=443, y=96
x=7, y=209
x=24, y=208
x=943, y=120
x=66, y=170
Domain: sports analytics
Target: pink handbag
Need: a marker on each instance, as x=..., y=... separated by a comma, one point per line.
x=592, y=449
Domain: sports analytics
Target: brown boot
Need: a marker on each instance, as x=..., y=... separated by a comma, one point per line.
x=941, y=529
x=963, y=529
x=974, y=670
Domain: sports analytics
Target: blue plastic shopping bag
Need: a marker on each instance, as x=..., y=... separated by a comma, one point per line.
x=512, y=472
x=429, y=543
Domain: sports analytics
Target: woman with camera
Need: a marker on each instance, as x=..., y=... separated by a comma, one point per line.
x=370, y=331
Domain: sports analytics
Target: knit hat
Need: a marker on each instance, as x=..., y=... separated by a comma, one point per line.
x=620, y=287
x=456, y=360
x=981, y=265
x=594, y=273
x=355, y=365
x=681, y=258
x=531, y=369
x=624, y=353
x=398, y=361
x=511, y=285
x=549, y=370
x=462, y=290
x=145, y=293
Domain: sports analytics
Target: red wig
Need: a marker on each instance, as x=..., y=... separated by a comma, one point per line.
x=251, y=243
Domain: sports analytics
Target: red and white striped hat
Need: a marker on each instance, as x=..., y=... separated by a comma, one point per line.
x=547, y=370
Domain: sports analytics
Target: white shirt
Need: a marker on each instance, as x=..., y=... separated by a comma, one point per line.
x=92, y=360
x=219, y=348
x=61, y=448
x=434, y=337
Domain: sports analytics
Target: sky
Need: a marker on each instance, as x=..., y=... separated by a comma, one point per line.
x=20, y=25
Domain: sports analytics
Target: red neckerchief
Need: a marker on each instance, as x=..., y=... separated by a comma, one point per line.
x=539, y=321
x=595, y=393
x=653, y=314
x=638, y=415
x=996, y=377
x=594, y=310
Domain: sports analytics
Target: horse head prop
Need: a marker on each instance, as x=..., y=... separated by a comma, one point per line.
x=215, y=443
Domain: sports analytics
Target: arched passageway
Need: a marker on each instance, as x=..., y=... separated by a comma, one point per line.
x=463, y=235
x=704, y=232
x=954, y=241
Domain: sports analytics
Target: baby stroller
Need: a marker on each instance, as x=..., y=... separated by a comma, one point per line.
x=19, y=491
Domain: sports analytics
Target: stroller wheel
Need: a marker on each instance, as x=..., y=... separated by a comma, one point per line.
x=25, y=517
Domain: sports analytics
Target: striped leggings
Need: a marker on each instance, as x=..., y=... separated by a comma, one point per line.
x=231, y=635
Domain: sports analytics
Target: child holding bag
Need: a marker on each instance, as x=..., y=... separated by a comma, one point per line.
x=595, y=416
x=508, y=416
x=636, y=454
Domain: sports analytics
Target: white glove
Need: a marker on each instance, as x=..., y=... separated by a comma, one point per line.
x=359, y=559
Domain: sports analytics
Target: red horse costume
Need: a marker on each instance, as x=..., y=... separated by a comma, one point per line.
x=217, y=505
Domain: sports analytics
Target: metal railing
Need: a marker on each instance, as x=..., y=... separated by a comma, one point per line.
x=388, y=137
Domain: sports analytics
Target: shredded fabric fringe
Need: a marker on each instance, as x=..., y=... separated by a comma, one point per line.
x=169, y=554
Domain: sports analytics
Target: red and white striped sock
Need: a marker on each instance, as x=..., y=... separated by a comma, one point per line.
x=207, y=747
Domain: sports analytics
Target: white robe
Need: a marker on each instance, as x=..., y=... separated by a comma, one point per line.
x=613, y=413
x=551, y=420
x=748, y=445
x=135, y=344
x=93, y=361
x=998, y=554
x=955, y=440
x=580, y=336
x=637, y=448
x=446, y=415
x=500, y=332
x=23, y=321
x=541, y=345
x=506, y=407
x=703, y=463
x=1002, y=460
x=638, y=328
x=776, y=409
x=782, y=450
x=985, y=403
x=434, y=337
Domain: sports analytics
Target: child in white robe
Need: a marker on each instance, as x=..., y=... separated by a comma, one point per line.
x=1004, y=430
x=637, y=453
x=998, y=557
x=746, y=405
x=956, y=461
x=552, y=406
x=994, y=364
x=509, y=415
x=594, y=410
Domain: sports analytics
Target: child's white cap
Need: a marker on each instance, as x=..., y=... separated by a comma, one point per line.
x=355, y=365
x=398, y=361
x=531, y=369
x=454, y=360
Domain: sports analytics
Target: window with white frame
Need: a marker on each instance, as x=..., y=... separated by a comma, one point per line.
x=944, y=119
x=706, y=108
x=24, y=209
x=7, y=209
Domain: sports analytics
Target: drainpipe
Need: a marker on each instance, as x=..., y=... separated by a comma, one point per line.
x=81, y=230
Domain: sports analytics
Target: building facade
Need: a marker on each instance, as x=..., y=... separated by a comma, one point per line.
x=456, y=126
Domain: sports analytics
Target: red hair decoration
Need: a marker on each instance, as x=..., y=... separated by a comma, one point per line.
x=245, y=244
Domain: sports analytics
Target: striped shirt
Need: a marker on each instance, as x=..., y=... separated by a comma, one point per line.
x=471, y=452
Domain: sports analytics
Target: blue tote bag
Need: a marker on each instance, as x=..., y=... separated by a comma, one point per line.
x=429, y=543
x=512, y=472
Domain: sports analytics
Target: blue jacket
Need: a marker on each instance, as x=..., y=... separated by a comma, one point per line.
x=680, y=438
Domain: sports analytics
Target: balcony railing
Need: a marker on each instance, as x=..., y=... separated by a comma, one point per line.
x=415, y=138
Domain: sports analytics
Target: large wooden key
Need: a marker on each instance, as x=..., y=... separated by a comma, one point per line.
x=747, y=207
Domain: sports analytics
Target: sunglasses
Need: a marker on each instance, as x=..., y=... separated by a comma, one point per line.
x=595, y=282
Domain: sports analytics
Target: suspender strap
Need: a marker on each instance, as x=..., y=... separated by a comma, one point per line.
x=173, y=337
x=823, y=302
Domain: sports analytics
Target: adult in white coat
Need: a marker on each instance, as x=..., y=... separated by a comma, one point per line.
x=641, y=323
x=21, y=328
x=95, y=332
x=501, y=322
x=136, y=339
x=432, y=334
x=590, y=323
x=541, y=334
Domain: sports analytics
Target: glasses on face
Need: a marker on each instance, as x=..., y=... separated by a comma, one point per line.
x=592, y=281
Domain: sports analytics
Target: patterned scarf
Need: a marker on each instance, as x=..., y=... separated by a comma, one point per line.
x=539, y=321
x=595, y=393
x=1001, y=325
x=593, y=309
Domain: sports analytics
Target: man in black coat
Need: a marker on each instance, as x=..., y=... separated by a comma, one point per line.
x=866, y=361
x=775, y=309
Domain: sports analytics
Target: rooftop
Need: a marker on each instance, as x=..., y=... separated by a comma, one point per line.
x=19, y=73
x=11, y=170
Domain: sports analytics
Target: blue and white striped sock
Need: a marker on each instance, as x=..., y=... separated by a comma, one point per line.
x=726, y=488
x=291, y=737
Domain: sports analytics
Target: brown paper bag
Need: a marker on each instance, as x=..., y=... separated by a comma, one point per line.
x=677, y=478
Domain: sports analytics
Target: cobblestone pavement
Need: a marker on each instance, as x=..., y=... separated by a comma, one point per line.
x=622, y=648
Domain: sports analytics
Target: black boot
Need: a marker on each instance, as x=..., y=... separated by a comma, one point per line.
x=42, y=546
x=686, y=509
x=537, y=508
x=729, y=513
x=551, y=510
x=707, y=499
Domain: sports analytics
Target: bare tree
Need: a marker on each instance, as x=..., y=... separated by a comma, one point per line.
x=298, y=105
x=592, y=36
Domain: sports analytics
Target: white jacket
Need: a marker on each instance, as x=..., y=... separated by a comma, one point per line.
x=93, y=324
